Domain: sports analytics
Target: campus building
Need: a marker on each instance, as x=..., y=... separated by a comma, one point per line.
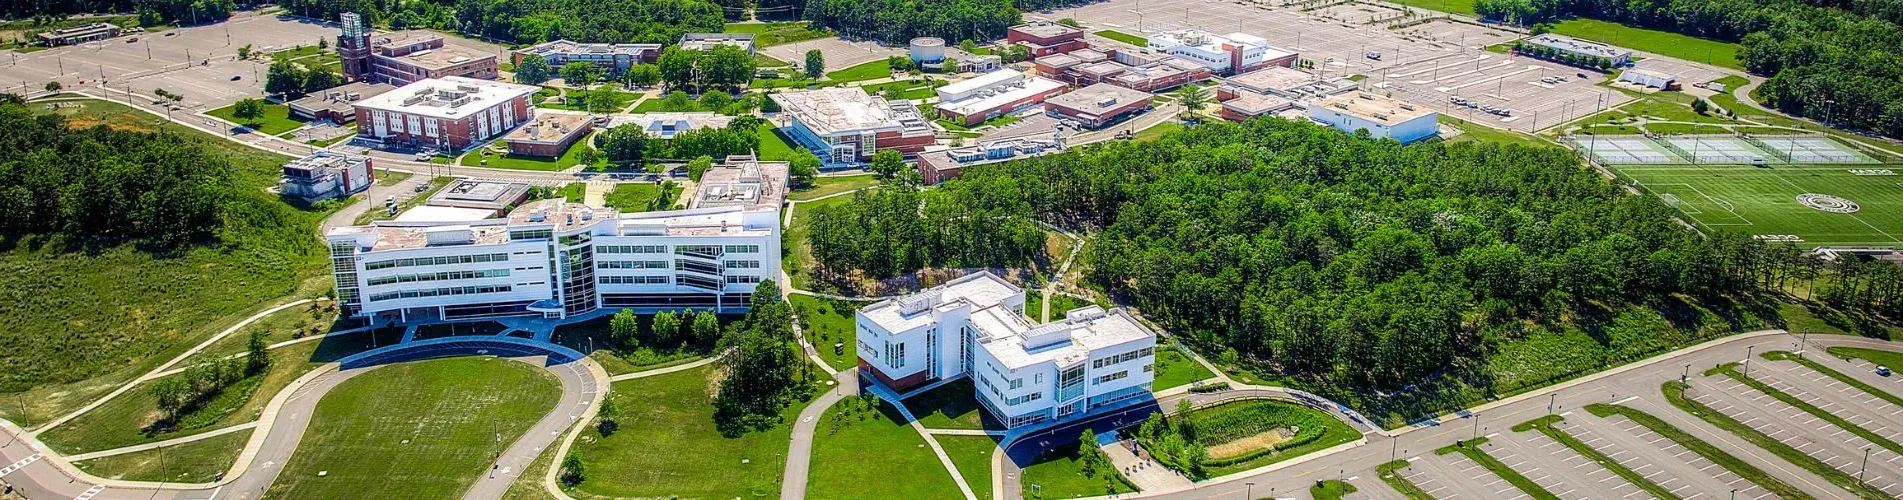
x=558, y=259
x=847, y=125
x=1135, y=71
x=1648, y=78
x=707, y=41
x=78, y=34
x=1023, y=373
x=451, y=113
x=405, y=57
x=1231, y=54
x=1588, y=50
x=668, y=125
x=1098, y=105
x=1046, y=38
x=324, y=175
x=946, y=164
x=611, y=59
x=549, y=134
x=1382, y=117
x=991, y=95
x=337, y=104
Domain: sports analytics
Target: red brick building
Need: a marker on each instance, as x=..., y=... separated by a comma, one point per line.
x=405, y=57
x=550, y=134
x=448, y=113
x=1098, y=105
x=1046, y=38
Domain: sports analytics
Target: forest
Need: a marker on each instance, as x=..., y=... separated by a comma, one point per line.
x=899, y=21
x=1348, y=264
x=150, y=11
x=101, y=185
x=534, y=21
x=1834, y=61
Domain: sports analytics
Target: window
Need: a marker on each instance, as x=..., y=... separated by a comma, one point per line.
x=631, y=248
x=895, y=355
x=633, y=280
x=434, y=292
x=530, y=234
x=631, y=264
x=743, y=264
x=743, y=248
x=742, y=279
x=442, y=276
x=705, y=249
x=436, y=261
x=1149, y=368
x=1110, y=377
x=1017, y=383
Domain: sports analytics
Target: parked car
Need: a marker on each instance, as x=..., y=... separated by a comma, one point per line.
x=236, y=78
x=1883, y=371
x=133, y=39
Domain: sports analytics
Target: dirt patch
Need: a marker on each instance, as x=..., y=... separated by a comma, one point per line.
x=1257, y=442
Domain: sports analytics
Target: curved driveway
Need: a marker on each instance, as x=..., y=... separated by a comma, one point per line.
x=288, y=414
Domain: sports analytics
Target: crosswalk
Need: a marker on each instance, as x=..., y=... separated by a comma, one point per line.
x=20, y=464
x=91, y=492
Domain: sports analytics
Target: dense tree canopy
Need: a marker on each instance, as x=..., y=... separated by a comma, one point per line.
x=150, y=11
x=898, y=21
x=534, y=21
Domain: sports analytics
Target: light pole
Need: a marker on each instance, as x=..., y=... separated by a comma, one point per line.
x=1550, y=401
x=1747, y=360
x=1476, y=426
x=1249, y=492
x=1865, y=466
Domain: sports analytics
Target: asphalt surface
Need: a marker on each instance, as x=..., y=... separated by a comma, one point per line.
x=38, y=478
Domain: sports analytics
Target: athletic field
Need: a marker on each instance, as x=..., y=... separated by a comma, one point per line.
x=1763, y=202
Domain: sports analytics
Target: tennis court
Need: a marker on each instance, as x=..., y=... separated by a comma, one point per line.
x=1795, y=149
x=1716, y=149
x=1626, y=150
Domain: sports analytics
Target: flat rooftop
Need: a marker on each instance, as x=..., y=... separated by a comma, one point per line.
x=665, y=125
x=1375, y=108
x=1046, y=29
x=448, y=98
x=569, y=47
x=480, y=193
x=1273, y=78
x=979, y=290
x=1577, y=45
x=549, y=127
x=1257, y=104
x=1011, y=338
x=1098, y=97
x=848, y=111
x=442, y=57
x=707, y=41
x=742, y=182
x=342, y=99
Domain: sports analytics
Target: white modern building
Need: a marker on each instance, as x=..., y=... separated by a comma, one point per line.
x=324, y=175
x=991, y=95
x=845, y=125
x=1230, y=54
x=1381, y=116
x=559, y=259
x=1648, y=78
x=1589, y=50
x=1023, y=373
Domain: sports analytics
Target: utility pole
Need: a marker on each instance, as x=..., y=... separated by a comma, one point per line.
x=1249, y=493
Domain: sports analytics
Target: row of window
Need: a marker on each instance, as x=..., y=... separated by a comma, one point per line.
x=743, y=264
x=743, y=248
x=1139, y=353
x=530, y=234
x=631, y=248
x=895, y=355
x=1024, y=399
x=743, y=279
x=435, y=292
x=632, y=264
x=634, y=280
x=436, y=261
x=681, y=249
x=1111, y=377
x=442, y=276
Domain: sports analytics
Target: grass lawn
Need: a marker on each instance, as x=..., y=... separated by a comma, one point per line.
x=1875, y=356
x=1157, y=131
x=1059, y=474
x=111, y=329
x=663, y=105
x=1330, y=490
x=1174, y=368
x=951, y=406
x=854, y=434
x=618, y=359
x=1685, y=129
x=1545, y=426
x=1454, y=6
x=1471, y=448
x=765, y=61
x=800, y=267
x=829, y=325
x=415, y=429
x=906, y=89
x=1481, y=133
x=1675, y=393
x=392, y=178
x=770, y=34
x=528, y=485
x=194, y=462
x=310, y=57
x=486, y=158
x=774, y=146
x=1665, y=43
x=630, y=197
x=1124, y=37
x=832, y=184
x=276, y=119
x=864, y=71
x=578, y=100
x=972, y=456
x=668, y=445
x=1764, y=200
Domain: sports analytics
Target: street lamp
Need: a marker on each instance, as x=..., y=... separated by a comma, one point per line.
x=1249, y=493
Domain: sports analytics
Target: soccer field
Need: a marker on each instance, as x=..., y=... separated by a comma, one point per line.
x=1763, y=202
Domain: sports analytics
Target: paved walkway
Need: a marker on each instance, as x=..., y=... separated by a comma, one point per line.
x=799, y=454
x=1149, y=476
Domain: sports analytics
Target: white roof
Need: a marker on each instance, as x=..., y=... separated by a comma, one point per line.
x=448, y=97
x=980, y=290
x=980, y=81
x=840, y=110
x=1014, y=343
x=431, y=213
x=1006, y=95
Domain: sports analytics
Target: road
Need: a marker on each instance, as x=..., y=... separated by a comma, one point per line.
x=288, y=415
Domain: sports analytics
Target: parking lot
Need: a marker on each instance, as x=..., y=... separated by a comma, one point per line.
x=1659, y=460
x=196, y=62
x=1842, y=449
x=1455, y=476
x=840, y=54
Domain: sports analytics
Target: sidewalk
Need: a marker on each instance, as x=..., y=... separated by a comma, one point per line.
x=1149, y=476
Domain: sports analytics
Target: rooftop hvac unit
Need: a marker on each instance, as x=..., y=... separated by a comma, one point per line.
x=1406, y=106
x=539, y=215
x=1106, y=101
x=587, y=215
x=1381, y=116
x=1367, y=96
x=1341, y=105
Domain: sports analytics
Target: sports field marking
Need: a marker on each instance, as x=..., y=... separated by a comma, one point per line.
x=1714, y=201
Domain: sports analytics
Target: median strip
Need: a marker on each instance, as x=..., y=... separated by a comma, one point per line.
x=1846, y=353
x=1866, y=434
x=1731, y=463
x=1391, y=473
x=1471, y=448
x=1545, y=426
x=1675, y=392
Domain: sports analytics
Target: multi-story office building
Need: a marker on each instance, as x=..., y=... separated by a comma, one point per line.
x=1023, y=373
x=612, y=59
x=1230, y=54
x=405, y=57
x=1381, y=116
x=452, y=112
x=559, y=259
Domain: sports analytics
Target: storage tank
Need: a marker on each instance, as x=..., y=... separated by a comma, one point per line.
x=927, y=49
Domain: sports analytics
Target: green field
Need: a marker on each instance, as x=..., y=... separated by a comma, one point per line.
x=423, y=429
x=630, y=197
x=854, y=434
x=111, y=329
x=1059, y=474
x=770, y=34
x=833, y=184
x=951, y=406
x=828, y=324
x=1124, y=37
x=906, y=89
x=1454, y=6
x=668, y=445
x=972, y=456
x=593, y=337
x=194, y=462
x=486, y=158
x=1763, y=201
x=774, y=146
x=877, y=68
x=276, y=119
x=1173, y=368
x=1665, y=43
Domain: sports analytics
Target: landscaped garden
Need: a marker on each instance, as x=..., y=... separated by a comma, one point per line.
x=1174, y=368
x=1235, y=436
x=643, y=351
x=421, y=429
x=629, y=197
